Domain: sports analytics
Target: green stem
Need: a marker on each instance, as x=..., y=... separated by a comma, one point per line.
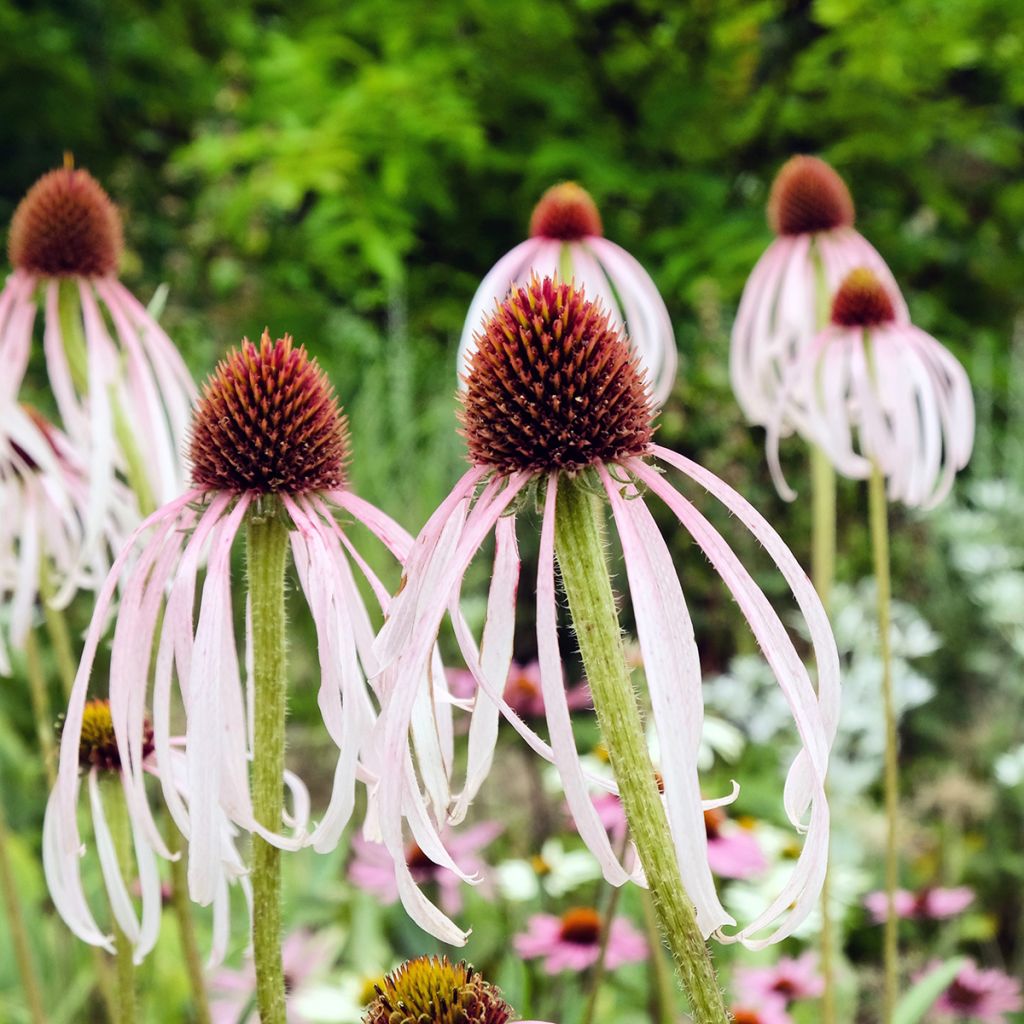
x=137, y=478
x=879, y=520
x=19, y=934
x=186, y=928
x=267, y=553
x=664, y=995
x=823, y=570
x=597, y=977
x=58, y=632
x=41, y=709
x=124, y=962
x=579, y=544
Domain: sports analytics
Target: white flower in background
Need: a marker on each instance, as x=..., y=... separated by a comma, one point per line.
x=1010, y=767
x=555, y=871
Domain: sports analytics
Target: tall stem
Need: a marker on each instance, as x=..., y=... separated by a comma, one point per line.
x=19, y=934
x=823, y=570
x=124, y=956
x=58, y=632
x=879, y=521
x=267, y=552
x=579, y=545
x=41, y=708
x=186, y=929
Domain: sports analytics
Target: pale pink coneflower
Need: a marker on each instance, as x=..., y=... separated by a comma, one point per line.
x=567, y=239
x=790, y=979
x=432, y=988
x=44, y=495
x=372, y=870
x=873, y=389
x=98, y=759
x=785, y=300
x=554, y=394
x=112, y=369
x=268, y=440
x=979, y=995
x=523, y=692
x=572, y=942
x=766, y=1010
x=930, y=904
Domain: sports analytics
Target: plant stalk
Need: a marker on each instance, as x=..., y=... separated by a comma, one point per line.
x=579, y=545
x=42, y=710
x=879, y=522
x=124, y=955
x=186, y=928
x=266, y=555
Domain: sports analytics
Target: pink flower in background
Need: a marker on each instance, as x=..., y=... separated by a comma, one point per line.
x=980, y=995
x=523, y=692
x=306, y=958
x=567, y=239
x=572, y=942
x=873, y=389
x=767, y=1010
x=373, y=870
x=785, y=301
x=555, y=393
x=733, y=852
x=790, y=979
x=928, y=904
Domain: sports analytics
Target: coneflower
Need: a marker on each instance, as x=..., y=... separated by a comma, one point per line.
x=121, y=387
x=556, y=411
x=567, y=238
x=269, y=446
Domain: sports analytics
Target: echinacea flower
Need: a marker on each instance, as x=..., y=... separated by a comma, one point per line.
x=44, y=495
x=980, y=995
x=873, y=389
x=733, y=851
x=930, y=904
x=767, y=1010
x=785, y=300
x=572, y=942
x=306, y=958
x=567, y=239
x=555, y=397
x=790, y=979
x=372, y=869
x=115, y=375
x=99, y=759
x=432, y=988
x=522, y=690
x=269, y=443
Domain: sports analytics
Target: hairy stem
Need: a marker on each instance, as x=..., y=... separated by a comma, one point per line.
x=124, y=959
x=879, y=520
x=266, y=554
x=580, y=548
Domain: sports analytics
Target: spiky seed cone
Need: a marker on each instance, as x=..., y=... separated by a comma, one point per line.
x=97, y=744
x=552, y=386
x=581, y=925
x=432, y=990
x=565, y=212
x=862, y=301
x=269, y=422
x=745, y=1016
x=66, y=225
x=807, y=196
x=713, y=819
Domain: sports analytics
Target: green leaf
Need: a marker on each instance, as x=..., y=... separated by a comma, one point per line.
x=916, y=1003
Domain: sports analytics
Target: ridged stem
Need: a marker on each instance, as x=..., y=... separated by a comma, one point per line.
x=19, y=933
x=266, y=554
x=124, y=956
x=879, y=522
x=580, y=548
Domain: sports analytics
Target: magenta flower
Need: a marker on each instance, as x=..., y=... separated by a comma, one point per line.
x=873, y=389
x=766, y=1010
x=567, y=239
x=733, y=851
x=790, y=979
x=108, y=361
x=555, y=393
x=980, y=995
x=373, y=870
x=523, y=692
x=268, y=440
x=816, y=246
x=930, y=904
x=572, y=942
x=44, y=493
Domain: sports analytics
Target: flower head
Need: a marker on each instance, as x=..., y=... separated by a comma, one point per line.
x=552, y=385
x=873, y=389
x=269, y=422
x=566, y=237
x=733, y=851
x=786, y=299
x=930, y=904
x=790, y=979
x=978, y=994
x=762, y=1011
x=520, y=444
x=97, y=742
x=572, y=942
x=66, y=225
